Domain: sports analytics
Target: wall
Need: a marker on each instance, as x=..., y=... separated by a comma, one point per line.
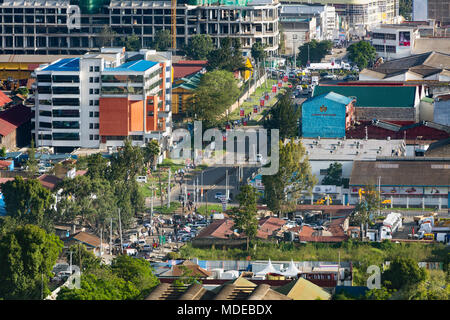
x=9, y=141
x=113, y=121
x=324, y=118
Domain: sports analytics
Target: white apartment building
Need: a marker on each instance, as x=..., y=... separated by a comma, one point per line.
x=394, y=41
x=99, y=99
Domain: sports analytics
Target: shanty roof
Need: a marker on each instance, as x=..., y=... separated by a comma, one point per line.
x=13, y=118
x=178, y=270
x=49, y=181
x=270, y=224
x=373, y=96
x=183, y=68
x=302, y=289
x=4, y=163
x=87, y=239
x=217, y=229
x=4, y=99
x=401, y=173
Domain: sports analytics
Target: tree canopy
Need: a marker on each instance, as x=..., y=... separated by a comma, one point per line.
x=27, y=201
x=199, y=47
x=317, y=51
x=258, y=52
x=362, y=53
x=228, y=57
x=405, y=9
x=244, y=216
x=284, y=117
x=216, y=92
x=27, y=257
x=334, y=175
x=283, y=190
x=162, y=40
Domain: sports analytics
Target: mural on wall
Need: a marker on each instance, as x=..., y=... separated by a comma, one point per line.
x=404, y=39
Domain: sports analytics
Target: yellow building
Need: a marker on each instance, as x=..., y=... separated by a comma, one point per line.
x=182, y=90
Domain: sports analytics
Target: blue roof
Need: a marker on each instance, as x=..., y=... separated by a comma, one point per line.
x=69, y=64
x=140, y=65
x=334, y=97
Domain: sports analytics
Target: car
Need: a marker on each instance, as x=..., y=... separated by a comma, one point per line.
x=219, y=196
x=147, y=248
x=142, y=242
x=350, y=77
x=330, y=77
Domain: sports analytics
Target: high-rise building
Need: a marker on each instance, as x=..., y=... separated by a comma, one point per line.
x=50, y=27
x=360, y=15
x=99, y=99
x=439, y=10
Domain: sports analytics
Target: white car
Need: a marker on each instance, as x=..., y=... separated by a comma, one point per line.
x=330, y=77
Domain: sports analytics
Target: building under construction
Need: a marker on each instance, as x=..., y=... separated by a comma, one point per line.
x=50, y=27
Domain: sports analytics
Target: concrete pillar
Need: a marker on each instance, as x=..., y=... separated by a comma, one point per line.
x=407, y=202
x=440, y=203
x=392, y=202
x=312, y=198
x=423, y=202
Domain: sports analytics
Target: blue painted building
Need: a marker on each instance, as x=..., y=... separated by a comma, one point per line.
x=327, y=116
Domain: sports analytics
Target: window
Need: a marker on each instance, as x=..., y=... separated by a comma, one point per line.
x=91, y=102
x=96, y=79
x=45, y=125
x=66, y=125
x=150, y=114
x=96, y=114
x=97, y=69
x=96, y=125
x=91, y=126
x=91, y=137
x=45, y=113
x=44, y=78
x=66, y=113
x=66, y=90
x=91, y=91
x=97, y=91
x=66, y=136
x=44, y=90
x=96, y=102
x=66, y=102
x=96, y=137
x=66, y=79
x=91, y=79
x=91, y=69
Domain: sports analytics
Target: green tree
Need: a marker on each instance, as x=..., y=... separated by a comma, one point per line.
x=3, y=152
x=403, y=273
x=23, y=91
x=82, y=257
x=284, y=116
x=334, y=175
x=228, y=57
x=283, y=189
x=367, y=207
x=27, y=257
x=405, y=9
x=199, y=47
x=244, y=216
x=379, y=294
x=101, y=286
x=127, y=163
x=98, y=166
x=137, y=271
x=107, y=36
x=187, y=277
x=362, y=53
x=162, y=40
x=32, y=163
x=317, y=51
x=258, y=52
x=216, y=92
x=26, y=201
x=132, y=43
x=151, y=152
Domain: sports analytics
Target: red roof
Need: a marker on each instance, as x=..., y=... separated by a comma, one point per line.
x=183, y=69
x=425, y=131
x=217, y=229
x=49, y=181
x=4, y=99
x=13, y=118
x=5, y=164
x=270, y=224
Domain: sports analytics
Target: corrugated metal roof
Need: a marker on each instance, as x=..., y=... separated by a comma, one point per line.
x=70, y=64
x=373, y=96
x=140, y=66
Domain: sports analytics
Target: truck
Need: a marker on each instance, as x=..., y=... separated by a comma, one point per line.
x=390, y=225
x=329, y=66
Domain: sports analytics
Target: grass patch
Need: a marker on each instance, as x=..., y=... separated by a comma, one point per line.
x=203, y=212
x=164, y=210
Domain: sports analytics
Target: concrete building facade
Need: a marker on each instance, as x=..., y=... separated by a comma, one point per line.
x=42, y=26
x=394, y=41
x=98, y=100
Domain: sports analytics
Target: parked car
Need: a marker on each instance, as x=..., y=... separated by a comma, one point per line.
x=330, y=77
x=350, y=77
x=147, y=248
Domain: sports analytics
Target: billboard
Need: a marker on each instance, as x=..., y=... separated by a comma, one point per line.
x=404, y=38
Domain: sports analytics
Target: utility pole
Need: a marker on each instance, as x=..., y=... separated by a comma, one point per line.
x=120, y=232
x=101, y=241
x=110, y=237
x=70, y=261
x=203, y=197
x=379, y=195
x=168, y=193
x=226, y=185
x=151, y=205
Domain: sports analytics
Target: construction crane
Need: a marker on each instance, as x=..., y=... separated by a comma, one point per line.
x=174, y=24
